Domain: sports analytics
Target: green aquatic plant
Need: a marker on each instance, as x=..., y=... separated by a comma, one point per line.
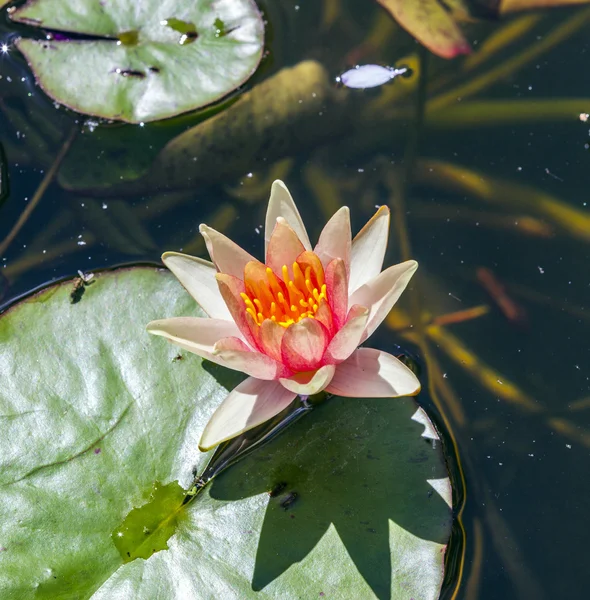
x=436, y=24
x=141, y=62
x=101, y=447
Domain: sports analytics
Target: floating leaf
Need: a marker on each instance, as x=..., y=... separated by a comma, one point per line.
x=141, y=62
x=95, y=413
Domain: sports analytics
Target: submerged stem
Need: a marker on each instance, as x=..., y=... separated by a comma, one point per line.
x=39, y=192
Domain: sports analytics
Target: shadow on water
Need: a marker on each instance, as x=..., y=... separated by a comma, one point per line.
x=355, y=464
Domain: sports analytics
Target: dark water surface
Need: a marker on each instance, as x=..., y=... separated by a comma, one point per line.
x=485, y=164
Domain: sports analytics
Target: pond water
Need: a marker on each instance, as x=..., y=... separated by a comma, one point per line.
x=484, y=162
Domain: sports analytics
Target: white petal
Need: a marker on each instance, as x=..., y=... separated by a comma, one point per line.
x=370, y=373
x=309, y=383
x=216, y=341
x=368, y=250
x=281, y=204
x=194, y=334
x=382, y=292
x=346, y=341
x=198, y=277
x=251, y=403
x=335, y=239
x=226, y=254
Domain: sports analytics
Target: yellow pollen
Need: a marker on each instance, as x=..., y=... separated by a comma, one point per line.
x=285, y=300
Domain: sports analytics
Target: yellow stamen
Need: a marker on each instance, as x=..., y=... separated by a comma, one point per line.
x=287, y=301
x=285, y=274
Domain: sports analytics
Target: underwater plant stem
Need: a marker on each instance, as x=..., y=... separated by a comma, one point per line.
x=39, y=192
x=477, y=84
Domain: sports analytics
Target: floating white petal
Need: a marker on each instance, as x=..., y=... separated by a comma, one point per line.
x=369, y=76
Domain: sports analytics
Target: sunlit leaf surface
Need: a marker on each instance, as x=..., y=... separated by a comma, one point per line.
x=100, y=422
x=141, y=61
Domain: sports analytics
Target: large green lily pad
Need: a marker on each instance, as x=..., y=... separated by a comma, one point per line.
x=142, y=61
x=100, y=422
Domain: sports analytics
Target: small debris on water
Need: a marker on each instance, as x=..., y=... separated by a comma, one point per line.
x=369, y=76
x=289, y=500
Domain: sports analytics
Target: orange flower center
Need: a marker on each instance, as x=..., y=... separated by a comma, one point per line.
x=299, y=294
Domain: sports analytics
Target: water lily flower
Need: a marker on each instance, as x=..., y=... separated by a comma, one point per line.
x=294, y=323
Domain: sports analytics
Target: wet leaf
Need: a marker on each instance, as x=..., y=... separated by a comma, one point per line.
x=144, y=64
x=95, y=413
x=147, y=529
x=431, y=23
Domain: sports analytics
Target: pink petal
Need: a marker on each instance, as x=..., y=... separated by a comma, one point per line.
x=311, y=382
x=370, y=373
x=346, y=341
x=283, y=248
x=281, y=205
x=335, y=239
x=230, y=289
x=233, y=353
x=227, y=255
x=303, y=345
x=251, y=403
x=381, y=293
x=198, y=277
x=324, y=316
x=368, y=250
x=214, y=340
x=337, y=287
x=270, y=338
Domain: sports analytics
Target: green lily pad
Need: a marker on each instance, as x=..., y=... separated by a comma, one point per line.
x=142, y=61
x=100, y=422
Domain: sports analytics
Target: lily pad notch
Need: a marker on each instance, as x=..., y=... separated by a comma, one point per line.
x=141, y=62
